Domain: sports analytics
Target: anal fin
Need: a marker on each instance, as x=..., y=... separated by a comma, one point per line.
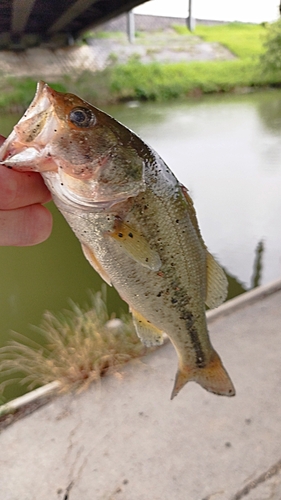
x=90, y=256
x=213, y=377
x=146, y=331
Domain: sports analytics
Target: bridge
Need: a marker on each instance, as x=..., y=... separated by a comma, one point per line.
x=53, y=23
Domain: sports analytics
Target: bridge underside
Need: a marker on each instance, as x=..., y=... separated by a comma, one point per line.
x=27, y=23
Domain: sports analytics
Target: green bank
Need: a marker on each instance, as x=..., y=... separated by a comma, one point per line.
x=164, y=81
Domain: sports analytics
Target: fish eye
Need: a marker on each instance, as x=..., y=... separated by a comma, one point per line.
x=82, y=117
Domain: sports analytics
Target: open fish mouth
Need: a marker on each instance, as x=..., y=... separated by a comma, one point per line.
x=66, y=139
x=27, y=147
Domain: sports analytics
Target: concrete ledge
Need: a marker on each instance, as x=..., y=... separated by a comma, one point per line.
x=30, y=397
x=44, y=393
x=244, y=300
x=123, y=439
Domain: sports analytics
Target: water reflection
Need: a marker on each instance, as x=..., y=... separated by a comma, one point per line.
x=223, y=150
x=269, y=111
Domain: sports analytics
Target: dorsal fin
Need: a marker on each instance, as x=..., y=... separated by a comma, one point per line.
x=217, y=283
x=191, y=212
x=216, y=280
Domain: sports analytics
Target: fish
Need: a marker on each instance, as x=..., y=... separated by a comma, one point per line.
x=135, y=221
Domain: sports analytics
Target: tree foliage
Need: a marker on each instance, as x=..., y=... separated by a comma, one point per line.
x=271, y=58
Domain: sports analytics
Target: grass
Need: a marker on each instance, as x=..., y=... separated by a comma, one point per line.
x=243, y=40
x=75, y=348
x=99, y=34
x=17, y=93
x=160, y=82
x=95, y=88
x=163, y=81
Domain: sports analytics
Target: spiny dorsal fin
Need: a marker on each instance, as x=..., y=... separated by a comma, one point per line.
x=216, y=283
x=191, y=212
x=216, y=280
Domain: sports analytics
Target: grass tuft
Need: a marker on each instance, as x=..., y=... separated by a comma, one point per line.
x=79, y=346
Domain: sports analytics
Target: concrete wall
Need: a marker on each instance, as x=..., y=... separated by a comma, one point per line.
x=149, y=23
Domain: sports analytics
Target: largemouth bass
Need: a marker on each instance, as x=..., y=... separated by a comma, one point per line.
x=136, y=223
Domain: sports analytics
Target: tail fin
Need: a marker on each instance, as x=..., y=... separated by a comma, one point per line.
x=213, y=377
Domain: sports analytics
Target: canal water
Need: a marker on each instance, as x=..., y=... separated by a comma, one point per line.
x=226, y=150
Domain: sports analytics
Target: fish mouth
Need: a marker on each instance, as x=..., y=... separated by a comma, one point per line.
x=27, y=148
x=45, y=141
x=34, y=137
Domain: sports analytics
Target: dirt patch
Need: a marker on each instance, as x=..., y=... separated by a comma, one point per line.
x=163, y=47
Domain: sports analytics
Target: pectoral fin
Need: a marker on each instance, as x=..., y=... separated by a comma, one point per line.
x=213, y=377
x=90, y=256
x=147, y=332
x=216, y=283
x=135, y=245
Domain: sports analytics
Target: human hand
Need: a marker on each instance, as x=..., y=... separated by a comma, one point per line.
x=23, y=219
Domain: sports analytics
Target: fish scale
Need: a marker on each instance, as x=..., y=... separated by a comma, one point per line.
x=135, y=221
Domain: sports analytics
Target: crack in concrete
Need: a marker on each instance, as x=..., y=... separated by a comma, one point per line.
x=212, y=495
x=67, y=490
x=272, y=471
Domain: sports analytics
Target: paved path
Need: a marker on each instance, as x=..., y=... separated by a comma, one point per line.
x=125, y=440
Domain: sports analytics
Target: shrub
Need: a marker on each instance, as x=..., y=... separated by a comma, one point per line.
x=271, y=58
x=74, y=348
x=17, y=93
x=160, y=82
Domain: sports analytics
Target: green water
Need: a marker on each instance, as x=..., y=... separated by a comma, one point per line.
x=226, y=149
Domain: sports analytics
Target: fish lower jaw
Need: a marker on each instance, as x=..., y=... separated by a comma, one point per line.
x=15, y=154
x=62, y=193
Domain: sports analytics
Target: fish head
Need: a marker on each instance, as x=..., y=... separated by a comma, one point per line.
x=83, y=154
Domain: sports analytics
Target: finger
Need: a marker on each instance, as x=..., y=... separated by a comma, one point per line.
x=20, y=189
x=25, y=226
